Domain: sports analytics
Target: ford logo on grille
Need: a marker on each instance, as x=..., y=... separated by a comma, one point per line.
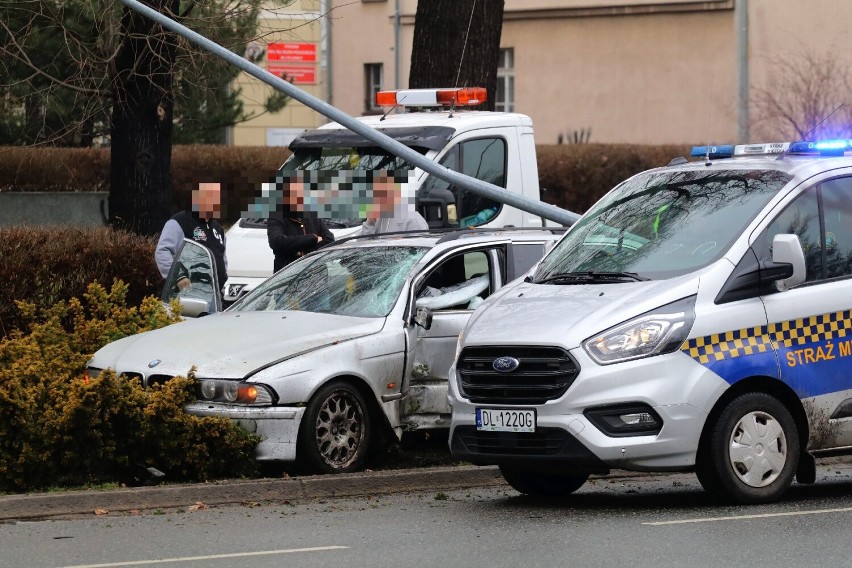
x=505, y=364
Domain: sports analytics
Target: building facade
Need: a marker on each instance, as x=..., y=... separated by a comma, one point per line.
x=613, y=71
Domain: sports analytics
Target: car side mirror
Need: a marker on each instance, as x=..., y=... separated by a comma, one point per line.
x=787, y=249
x=193, y=307
x=423, y=317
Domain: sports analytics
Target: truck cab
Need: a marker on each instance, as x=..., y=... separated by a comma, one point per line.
x=491, y=146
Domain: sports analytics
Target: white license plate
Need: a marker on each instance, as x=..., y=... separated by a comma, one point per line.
x=505, y=420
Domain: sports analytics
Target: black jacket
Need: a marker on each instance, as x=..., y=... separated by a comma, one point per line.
x=289, y=238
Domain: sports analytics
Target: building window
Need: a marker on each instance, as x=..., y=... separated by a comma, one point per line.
x=373, y=83
x=505, y=99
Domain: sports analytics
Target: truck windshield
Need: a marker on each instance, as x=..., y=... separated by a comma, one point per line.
x=660, y=225
x=336, y=159
x=362, y=282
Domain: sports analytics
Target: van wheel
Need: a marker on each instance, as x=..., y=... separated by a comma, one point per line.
x=543, y=484
x=751, y=452
x=334, y=436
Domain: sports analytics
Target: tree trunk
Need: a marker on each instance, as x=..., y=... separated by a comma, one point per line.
x=141, y=127
x=440, y=31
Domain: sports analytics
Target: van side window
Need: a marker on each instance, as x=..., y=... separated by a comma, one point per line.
x=800, y=218
x=837, y=210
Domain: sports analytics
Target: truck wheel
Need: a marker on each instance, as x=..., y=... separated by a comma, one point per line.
x=543, y=484
x=752, y=451
x=334, y=436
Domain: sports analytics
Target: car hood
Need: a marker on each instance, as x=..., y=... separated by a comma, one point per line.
x=230, y=344
x=548, y=314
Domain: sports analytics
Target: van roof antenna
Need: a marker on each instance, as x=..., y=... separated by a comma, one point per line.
x=783, y=154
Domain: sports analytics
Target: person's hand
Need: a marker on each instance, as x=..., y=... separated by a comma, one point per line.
x=318, y=238
x=183, y=283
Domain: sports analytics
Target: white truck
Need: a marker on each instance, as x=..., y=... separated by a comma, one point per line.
x=495, y=147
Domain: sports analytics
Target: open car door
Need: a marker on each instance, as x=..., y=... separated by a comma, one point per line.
x=193, y=281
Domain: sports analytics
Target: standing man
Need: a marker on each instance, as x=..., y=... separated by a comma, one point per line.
x=390, y=212
x=200, y=225
x=293, y=233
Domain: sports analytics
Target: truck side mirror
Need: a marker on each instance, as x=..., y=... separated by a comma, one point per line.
x=787, y=249
x=423, y=317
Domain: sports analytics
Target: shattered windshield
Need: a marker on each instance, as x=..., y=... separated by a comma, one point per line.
x=363, y=282
x=349, y=158
x=662, y=224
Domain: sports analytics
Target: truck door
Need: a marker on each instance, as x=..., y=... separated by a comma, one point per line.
x=811, y=325
x=451, y=287
x=444, y=205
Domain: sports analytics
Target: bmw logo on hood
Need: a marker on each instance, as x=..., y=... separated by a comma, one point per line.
x=154, y=363
x=505, y=364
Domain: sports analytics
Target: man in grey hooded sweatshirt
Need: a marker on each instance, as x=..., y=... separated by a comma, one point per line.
x=390, y=212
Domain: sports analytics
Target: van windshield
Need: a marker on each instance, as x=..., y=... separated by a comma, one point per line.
x=362, y=282
x=662, y=224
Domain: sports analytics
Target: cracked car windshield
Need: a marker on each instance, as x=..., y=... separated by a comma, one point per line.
x=664, y=224
x=362, y=282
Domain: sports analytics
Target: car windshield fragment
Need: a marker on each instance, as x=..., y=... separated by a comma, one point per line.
x=363, y=282
x=662, y=224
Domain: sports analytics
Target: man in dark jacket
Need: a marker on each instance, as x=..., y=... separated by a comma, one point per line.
x=293, y=235
x=199, y=225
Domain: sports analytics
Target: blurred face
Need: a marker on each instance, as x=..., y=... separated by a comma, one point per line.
x=207, y=200
x=386, y=196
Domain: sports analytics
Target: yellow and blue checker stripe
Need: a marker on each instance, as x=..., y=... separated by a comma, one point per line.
x=763, y=339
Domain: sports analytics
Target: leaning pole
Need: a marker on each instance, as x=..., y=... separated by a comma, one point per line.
x=485, y=189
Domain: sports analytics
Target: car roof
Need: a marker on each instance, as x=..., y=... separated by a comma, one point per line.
x=433, y=239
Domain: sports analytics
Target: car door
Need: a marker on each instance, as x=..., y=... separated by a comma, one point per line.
x=451, y=287
x=193, y=282
x=810, y=325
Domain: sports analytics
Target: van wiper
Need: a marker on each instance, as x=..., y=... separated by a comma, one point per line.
x=592, y=277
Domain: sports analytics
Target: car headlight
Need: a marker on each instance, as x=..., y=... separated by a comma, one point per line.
x=233, y=391
x=662, y=330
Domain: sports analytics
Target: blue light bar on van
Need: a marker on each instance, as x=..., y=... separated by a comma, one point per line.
x=823, y=147
x=725, y=151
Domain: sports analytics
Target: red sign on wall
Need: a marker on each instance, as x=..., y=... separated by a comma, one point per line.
x=292, y=52
x=293, y=73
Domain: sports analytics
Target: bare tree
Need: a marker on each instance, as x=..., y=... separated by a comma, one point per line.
x=457, y=43
x=73, y=72
x=807, y=96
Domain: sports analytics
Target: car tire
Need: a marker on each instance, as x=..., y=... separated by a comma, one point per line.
x=336, y=431
x=543, y=484
x=752, y=450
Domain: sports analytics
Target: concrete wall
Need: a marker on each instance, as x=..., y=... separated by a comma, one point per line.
x=53, y=208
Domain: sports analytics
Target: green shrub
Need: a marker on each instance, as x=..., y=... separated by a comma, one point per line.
x=58, y=427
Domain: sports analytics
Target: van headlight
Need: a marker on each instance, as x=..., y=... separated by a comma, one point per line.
x=233, y=391
x=662, y=330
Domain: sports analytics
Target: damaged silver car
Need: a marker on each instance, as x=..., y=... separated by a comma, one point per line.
x=339, y=350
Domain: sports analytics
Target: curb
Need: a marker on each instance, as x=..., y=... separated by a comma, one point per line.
x=46, y=505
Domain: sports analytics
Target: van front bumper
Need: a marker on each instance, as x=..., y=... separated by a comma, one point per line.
x=680, y=391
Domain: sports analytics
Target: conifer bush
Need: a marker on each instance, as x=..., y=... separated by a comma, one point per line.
x=59, y=427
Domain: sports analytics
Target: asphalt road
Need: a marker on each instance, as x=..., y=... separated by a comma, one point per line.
x=661, y=520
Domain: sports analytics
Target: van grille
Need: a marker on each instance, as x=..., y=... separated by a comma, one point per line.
x=543, y=373
x=543, y=442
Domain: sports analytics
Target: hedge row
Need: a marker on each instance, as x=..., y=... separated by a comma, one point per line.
x=44, y=265
x=575, y=175
x=59, y=427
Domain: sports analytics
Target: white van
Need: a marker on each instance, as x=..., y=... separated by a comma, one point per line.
x=696, y=318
